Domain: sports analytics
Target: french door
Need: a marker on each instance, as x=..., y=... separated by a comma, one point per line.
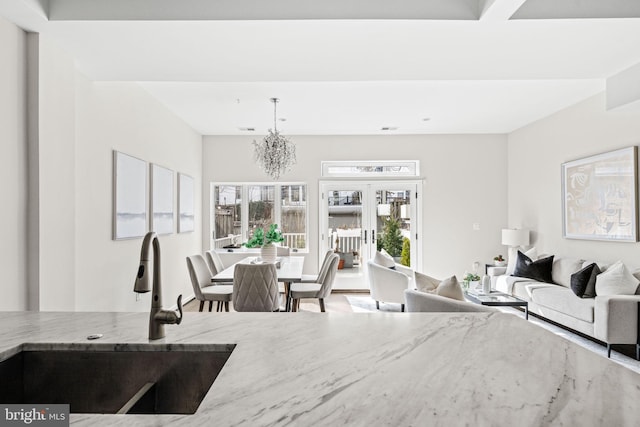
x=353, y=215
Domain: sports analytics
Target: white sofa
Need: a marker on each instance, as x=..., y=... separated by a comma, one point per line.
x=612, y=319
x=418, y=301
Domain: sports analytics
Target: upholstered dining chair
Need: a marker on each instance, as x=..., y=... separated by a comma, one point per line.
x=215, y=265
x=283, y=251
x=214, y=261
x=203, y=289
x=255, y=287
x=319, y=290
x=313, y=278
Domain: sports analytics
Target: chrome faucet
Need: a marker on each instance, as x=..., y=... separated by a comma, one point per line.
x=158, y=317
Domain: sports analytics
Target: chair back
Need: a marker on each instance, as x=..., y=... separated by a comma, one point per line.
x=255, y=287
x=199, y=273
x=283, y=251
x=325, y=265
x=214, y=261
x=329, y=276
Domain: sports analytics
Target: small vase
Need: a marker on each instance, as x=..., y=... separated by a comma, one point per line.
x=486, y=285
x=268, y=252
x=500, y=263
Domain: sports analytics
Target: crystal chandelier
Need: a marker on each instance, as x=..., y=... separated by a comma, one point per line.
x=275, y=154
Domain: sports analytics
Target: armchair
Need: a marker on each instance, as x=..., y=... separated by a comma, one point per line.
x=387, y=285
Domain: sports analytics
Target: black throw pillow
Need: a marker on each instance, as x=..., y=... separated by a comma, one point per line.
x=583, y=282
x=539, y=269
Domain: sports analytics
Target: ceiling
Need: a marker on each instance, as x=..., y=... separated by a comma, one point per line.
x=345, y=67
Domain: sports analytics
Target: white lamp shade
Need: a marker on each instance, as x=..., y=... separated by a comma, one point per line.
x=515, y=237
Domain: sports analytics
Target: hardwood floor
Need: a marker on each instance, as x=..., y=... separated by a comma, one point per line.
x=336, y=303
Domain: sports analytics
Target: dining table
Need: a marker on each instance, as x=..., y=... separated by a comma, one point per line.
x=288, y=268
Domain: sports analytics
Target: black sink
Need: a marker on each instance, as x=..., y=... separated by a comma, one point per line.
x=111, y=379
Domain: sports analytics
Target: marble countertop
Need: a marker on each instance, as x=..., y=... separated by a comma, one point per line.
x=395, y=369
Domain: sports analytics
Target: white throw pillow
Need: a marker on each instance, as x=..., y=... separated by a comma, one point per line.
x=617, y=280
x=384, y=260
x=511, y=266
x=426, y=283
x=563, y=268
x=450, y=288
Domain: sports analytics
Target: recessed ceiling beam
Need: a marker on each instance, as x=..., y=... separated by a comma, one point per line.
x=82, y=10
x=578, y=9
x=498, y=10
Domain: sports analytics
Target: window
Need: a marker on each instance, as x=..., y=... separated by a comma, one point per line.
x=239, y=209
x=382, y=168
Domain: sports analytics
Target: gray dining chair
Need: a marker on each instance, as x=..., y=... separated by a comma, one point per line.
x=313, y=278
x=319, y=290
x=255, y=287
x=214, y=261
x=203, y=289
x=283, y=251
x=215, y=265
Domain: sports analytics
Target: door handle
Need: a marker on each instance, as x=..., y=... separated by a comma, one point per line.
x=365, y=236
x=373, y=236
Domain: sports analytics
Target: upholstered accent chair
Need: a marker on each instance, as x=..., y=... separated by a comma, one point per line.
x=255, y=287
x=387, y=284
x=418, y=301
x=320, y=289
x=203, y=289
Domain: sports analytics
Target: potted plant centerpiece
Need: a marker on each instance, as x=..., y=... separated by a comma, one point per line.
x=266, y=242
x=499, y=261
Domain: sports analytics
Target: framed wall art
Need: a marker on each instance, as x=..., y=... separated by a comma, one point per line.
x=600, y=197
x=129, y=196
x=161, y=200
x=186, y=209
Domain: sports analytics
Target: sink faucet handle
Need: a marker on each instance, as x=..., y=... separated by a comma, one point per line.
x=179, y=320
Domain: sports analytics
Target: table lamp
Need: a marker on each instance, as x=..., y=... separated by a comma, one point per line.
x=514, y=238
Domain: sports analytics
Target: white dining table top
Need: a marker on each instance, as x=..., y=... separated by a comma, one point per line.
x=290, y=269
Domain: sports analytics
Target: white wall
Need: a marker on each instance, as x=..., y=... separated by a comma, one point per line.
x=536, y=153
x=464, y=183
x=56, y=175
x=13, y=168
x=124, y=117
x=72, y=126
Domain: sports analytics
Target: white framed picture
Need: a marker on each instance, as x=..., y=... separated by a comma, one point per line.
x=186, y=209
x=129, y=196
x=599, y=197
x=162, y=213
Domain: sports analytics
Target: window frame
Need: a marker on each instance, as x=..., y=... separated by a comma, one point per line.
x=244, y=210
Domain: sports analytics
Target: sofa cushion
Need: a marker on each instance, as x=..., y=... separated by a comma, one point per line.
x=384, y=260
x=583, y=282
x=511, y=265
x=617, y=280
x=450, y=288
x=426, y=283
x=563, y=300
x=539, y=269
x=563, y=268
